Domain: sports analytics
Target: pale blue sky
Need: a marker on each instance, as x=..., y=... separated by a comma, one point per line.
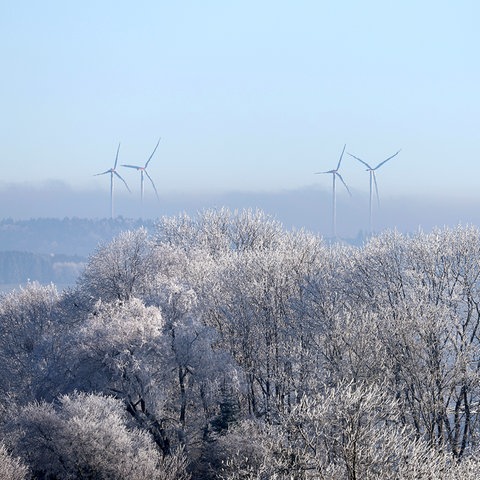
x=246, y=95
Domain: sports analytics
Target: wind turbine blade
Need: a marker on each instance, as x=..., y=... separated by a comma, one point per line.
x=153, y=185
x=154, y=150
x=328, y=171
x=341, y=179
x=116, y=157
x=341, y=156
x=103, y=173
x=120, y=177
x=385, y=161
x=376, y=187
x=360, y=160
x=132, y=166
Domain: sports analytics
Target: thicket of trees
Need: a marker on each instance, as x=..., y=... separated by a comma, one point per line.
x=223, y=347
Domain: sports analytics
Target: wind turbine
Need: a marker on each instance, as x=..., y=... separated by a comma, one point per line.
x=113, y=173
x=373, y=181
x=335, y=174
x=143, y=170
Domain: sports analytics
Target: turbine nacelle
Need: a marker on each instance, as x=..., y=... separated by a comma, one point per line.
x=136, y=167
x=110, y=170
x=328, y=171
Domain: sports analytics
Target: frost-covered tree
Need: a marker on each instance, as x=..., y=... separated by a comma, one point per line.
x=121, y=269
x=158, y=360
x=87, y=436
x=220, y=231
x=198, y=376
x=424, y=291
x=349, y=432
x=11, y=468
x=121, y=350
x=251, y=298
x=29, y=318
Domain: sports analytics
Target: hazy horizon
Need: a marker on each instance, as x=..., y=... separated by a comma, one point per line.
x=308, y=207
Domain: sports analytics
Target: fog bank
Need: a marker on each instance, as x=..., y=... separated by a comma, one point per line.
x=309, y=207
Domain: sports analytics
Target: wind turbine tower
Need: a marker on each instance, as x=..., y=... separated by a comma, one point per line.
x=143, y=171
x=335, y=174
x=373, y=182
x=113, y=173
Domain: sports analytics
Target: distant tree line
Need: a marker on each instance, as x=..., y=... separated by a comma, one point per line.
x=223, y=347
x=67, y=236
x=54, y=250
x=20, y=267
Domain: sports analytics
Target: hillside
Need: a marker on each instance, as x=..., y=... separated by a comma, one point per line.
x=54, y=250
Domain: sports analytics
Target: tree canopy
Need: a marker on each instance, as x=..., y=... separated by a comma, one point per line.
x=224, y=347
